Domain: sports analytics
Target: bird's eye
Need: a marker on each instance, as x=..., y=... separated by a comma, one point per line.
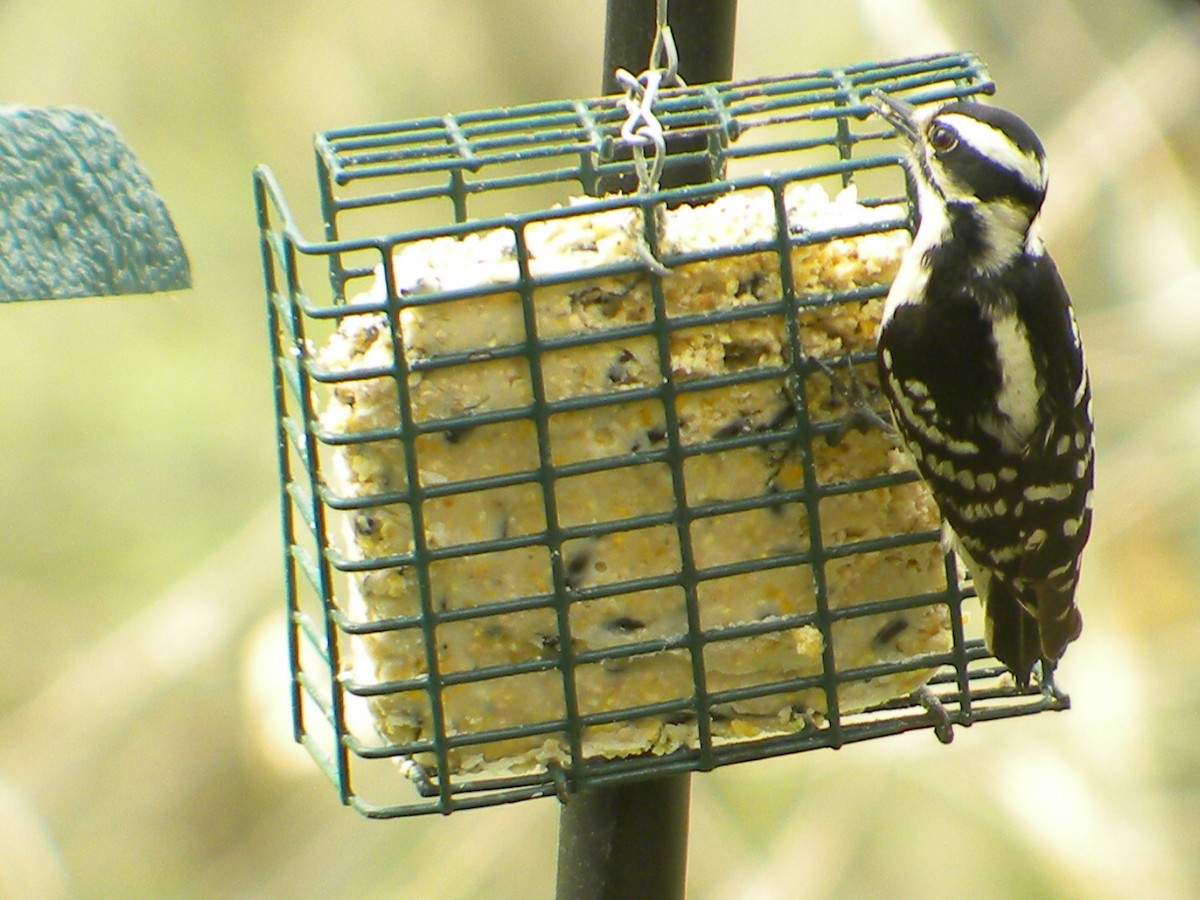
x=942, y=139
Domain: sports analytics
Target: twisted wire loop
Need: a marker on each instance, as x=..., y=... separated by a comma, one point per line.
x=641, y=128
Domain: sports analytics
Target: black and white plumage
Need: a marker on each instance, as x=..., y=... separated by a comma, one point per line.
x=981, y=363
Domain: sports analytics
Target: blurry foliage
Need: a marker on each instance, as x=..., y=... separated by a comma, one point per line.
x=144, y=741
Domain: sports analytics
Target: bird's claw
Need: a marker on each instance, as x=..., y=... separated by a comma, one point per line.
x=1049, y=688
x=860, y=415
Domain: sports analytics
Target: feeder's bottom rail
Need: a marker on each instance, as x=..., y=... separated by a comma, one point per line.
x=984, y=691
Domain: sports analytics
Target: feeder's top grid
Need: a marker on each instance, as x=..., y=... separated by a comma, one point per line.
x=554, y=523
x=453, y=165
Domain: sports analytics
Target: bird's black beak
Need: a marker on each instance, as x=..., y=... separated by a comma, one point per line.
x=901, y=115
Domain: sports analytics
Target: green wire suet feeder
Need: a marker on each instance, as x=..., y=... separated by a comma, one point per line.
x=470, y=580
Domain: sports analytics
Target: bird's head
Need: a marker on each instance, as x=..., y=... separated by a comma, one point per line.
x=977, y=159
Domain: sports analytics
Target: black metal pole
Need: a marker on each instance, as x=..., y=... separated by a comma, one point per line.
x=703, y=31
x=630, y=841
x=625, y=842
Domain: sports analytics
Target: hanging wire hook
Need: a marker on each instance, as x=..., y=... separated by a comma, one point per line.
x=641, y=128
x=663, y=55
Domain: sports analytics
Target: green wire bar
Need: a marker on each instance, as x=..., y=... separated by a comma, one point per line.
x=386, y=186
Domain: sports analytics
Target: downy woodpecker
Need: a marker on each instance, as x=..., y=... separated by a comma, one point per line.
x=982, y=366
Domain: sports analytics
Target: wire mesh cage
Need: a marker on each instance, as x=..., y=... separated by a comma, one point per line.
x=556, y=517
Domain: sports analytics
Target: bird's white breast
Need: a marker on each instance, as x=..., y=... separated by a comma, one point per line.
x=913, y=274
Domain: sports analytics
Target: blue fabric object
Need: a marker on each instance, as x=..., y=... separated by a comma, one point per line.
x=78, y=214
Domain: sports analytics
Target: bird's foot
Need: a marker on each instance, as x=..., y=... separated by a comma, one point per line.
x=860, y=416
x=1049, y=688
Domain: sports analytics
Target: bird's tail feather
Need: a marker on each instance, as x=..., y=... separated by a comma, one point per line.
x=1059, y=621
x=1011, y=633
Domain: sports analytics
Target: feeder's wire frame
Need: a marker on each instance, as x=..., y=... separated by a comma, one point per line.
x=969, y=686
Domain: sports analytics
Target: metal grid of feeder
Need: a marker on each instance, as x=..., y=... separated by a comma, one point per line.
x=385, y=187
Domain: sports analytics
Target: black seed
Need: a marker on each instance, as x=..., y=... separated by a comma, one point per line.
x=778, y=506
x=655, y=435
x=890, y=632
x=456, y=435
x=733, y=429
x=579, y=246
x=575, y=568
x=618, y=372
x=626, y=624
x=752, y=285
x=366, y=525
x=608, y=303
x=740, y=355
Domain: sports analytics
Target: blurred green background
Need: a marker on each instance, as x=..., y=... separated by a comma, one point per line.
x=145, y=744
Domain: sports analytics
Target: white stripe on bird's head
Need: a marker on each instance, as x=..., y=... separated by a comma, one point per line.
x=980, y=155
x=994, y=145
